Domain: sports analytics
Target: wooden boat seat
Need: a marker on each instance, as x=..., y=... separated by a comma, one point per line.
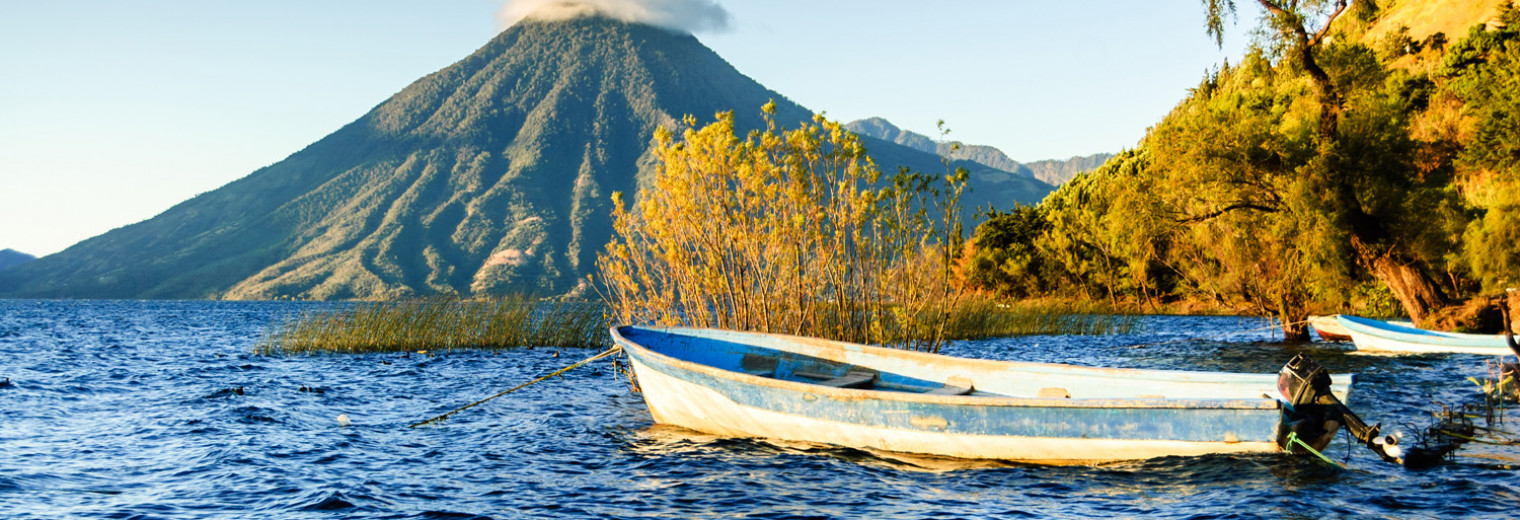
x=1054, y=392
x=950, y=389
x=759, y=365
x=855, y=378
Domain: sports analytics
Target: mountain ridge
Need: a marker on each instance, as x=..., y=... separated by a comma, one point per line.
x=11, y=257
x=1050, y=171
x=491, y=175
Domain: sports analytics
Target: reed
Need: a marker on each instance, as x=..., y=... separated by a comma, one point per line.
x=438, y=324
x=797, y=232
x=980, y=316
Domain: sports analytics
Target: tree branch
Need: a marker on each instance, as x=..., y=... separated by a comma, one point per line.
x=1340, y=5
x=1221, y=211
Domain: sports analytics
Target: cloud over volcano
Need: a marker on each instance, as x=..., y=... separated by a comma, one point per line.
x=681, y=15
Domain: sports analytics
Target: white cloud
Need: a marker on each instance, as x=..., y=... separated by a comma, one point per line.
x=683, y=15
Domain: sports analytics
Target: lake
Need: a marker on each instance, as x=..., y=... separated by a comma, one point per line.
x=144, y=410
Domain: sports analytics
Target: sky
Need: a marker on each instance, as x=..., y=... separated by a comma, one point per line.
x=112, y=112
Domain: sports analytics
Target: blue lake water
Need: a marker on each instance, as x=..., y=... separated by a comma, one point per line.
x=141, y=410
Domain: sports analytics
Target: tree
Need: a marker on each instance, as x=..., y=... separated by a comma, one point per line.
x=1483, y=71
x=1003, y=255
x=784, y=230
x=1334, y=169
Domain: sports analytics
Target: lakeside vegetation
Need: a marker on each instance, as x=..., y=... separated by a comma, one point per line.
x=1321, y=173
x=443, y=324
x=796, y=231
x=1333, y=169
x=783, y=231
x=439, y=324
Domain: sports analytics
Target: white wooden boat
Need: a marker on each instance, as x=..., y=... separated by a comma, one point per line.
x=1329, y=328
x=1380, y=336
x=805, y=389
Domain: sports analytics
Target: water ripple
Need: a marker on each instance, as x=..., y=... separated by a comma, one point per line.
x=160, y=410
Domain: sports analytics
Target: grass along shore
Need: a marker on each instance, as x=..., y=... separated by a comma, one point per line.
x=979, y=317
x=516, y=321
x=436, y=324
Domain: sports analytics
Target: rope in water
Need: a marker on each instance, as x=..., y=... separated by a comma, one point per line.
x=1269, y=327
x=1293, y=439
x=573, y=366
x=1478, y=440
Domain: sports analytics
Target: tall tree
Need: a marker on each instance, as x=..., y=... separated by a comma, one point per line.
x=1298, y=29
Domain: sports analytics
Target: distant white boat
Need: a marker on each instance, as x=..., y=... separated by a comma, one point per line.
x=1329, y=328
x=791, y=388
x=1380, y=336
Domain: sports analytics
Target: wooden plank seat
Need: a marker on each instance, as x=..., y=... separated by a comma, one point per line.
x=950, y=389
x=855, y=378
x=759, y=365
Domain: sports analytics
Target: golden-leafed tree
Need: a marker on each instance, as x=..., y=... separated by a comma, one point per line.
x=791, y=231
x=1348, y=165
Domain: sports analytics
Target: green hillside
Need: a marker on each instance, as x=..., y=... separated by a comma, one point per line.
x=1343, y=174
x=492, y=175
x=1422, y=18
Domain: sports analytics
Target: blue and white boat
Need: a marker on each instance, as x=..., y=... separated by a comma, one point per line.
x=1329, y=328
x=1380, y=336
x=744, y=384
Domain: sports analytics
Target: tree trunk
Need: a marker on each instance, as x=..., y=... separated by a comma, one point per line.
x=1513, y=297
x=1296, y=331
x=1294, y=321
x=1416, y=292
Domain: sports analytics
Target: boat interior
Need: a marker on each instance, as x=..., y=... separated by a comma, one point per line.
x=843, y=365
x=807, y=369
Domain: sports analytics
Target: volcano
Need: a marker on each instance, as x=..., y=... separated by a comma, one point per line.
x=492, y=175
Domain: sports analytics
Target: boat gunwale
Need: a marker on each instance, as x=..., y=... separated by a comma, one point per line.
x=1417, y=336
x=1264, y=403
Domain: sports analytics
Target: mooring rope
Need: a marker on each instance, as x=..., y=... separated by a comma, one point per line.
x=1293, y=438
x=573, y=366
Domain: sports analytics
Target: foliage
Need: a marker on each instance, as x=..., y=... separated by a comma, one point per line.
x=433, y=324
x=1003, y=256
x=1052, y=171
x=1103, y=226
x=1312, y=175
x=1374, y=300
x=1483, y=71
x=1097, y=235
x=1397, y=43
x=1233, y=198
x=790, y=231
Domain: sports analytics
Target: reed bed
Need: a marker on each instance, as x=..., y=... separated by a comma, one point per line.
x=798, y=232
x=439, y=324
x=977, y=317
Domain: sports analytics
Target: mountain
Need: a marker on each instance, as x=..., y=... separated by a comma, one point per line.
x=1050, y=171
x=1058, y=171
x=491, y=175
x=12, y=257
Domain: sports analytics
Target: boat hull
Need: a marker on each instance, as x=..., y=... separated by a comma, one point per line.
x=1329, y=328
x=1376, y=336
x=678, y=402
x=1031, y=429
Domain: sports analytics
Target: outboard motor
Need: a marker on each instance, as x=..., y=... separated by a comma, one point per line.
x=1313, y=414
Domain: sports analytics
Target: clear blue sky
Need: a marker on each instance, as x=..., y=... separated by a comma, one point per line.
x=111, y=112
